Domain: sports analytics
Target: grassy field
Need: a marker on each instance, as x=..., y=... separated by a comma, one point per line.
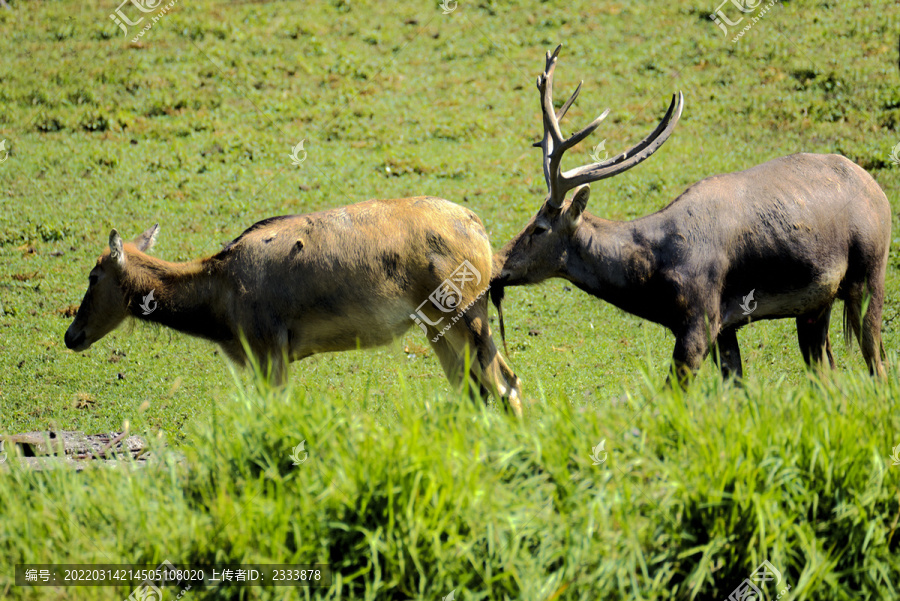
x=411, y=492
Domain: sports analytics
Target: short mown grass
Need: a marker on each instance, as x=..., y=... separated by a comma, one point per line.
x=193, y=128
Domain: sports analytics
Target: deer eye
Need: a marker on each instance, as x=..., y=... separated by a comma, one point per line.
x=540, y=228
x=92, y=279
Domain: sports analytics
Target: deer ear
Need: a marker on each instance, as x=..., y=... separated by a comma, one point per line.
x=145, y=241
x=116, y=252
x=579, y=201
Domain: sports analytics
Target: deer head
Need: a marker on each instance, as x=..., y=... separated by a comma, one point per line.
x=540, y=250
x=105, y=304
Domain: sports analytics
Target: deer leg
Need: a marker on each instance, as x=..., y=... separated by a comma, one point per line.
x=828, y=350
x=867, y=328
x=691, y=347
x=486, y=366
x=494, y=374
x=279, y=373
x=727, y=354
x=235, y=352
x=812, y=334
x=450, y=358
x=453, y=359
x=513, y=395
x=871, y=333
x=273, y=367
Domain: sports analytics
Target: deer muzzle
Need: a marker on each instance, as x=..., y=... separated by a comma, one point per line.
x=76, y=342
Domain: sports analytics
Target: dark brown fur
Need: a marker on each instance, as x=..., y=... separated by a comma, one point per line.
x=801, y=231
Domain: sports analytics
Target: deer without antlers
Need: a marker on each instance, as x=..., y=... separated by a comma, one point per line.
x=799, y=232
x=293, y=286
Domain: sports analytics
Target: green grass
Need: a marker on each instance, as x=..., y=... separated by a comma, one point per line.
x=412, y=492
x=424, y=494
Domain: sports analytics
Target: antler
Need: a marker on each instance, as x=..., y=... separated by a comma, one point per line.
x=554, y=145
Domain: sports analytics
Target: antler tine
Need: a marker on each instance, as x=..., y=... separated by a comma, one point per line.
x=545, y=84
x=546, y=143
x=552, y=136
x=550, y=149
x=584, y=133
x=634, y=156
x=551, y=58
x=565, y=108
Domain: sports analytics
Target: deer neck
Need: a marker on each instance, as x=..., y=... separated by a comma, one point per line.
x=181, y=296
x=613, y=260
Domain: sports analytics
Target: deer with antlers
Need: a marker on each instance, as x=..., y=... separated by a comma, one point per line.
x=796, y=232
x=289, y=287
